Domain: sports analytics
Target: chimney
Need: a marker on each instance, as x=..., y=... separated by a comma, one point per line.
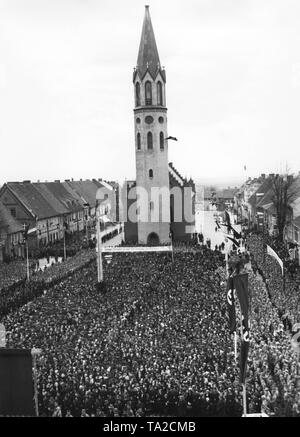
x=263, y=175
x=26, y=182
x=271, y=175
x=57, y=180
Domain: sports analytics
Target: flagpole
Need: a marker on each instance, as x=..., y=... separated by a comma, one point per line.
x=34, y=353
x=244, y=384
x=65, y=252
x=27, y=260
x=244, y=399
x=235, y=346
x=99, y=255
x=235, y=336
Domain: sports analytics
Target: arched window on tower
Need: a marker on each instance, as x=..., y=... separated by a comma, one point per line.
x=148, y=92
x=161, y=141
x=138, y=140
x=159, y=94
x=137, y=94
x=149, y=141
x=151, y=173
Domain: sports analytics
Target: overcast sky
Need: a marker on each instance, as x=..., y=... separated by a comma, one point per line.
x=66, y=93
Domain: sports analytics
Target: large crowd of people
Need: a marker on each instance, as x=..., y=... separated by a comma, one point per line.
x=156, y=342
x=20, y=291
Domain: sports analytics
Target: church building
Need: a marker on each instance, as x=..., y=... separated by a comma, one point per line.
x=156, y=205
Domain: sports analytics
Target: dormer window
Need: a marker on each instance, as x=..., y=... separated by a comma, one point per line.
x=151, y=173
x=148, y=93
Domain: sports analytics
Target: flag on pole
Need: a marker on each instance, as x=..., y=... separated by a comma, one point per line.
x=240, y=283
x=230, y=305
x=245, y=168
x=236, y=234
x=217, y=223
x=235, y=242
x=272, y=253
x=241, y=286
x=227, y=221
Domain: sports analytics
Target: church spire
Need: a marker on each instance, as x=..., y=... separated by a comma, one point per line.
x=148, y=57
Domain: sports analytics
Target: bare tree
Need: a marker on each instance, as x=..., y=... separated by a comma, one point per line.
x=284, y=191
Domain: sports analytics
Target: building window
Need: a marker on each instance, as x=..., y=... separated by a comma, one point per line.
x=149, y=141
x=148, y=93
x=161, y=141
x=151, y=206
x=13, y=212
x=138, y=120
x=137, y=94
x=139, y=141
x=159, y=94
x=149, y=119
x=161, y=120
x=151, y=173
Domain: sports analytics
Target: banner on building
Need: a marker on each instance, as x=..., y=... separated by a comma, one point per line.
x=124, y=249
x=272, y=253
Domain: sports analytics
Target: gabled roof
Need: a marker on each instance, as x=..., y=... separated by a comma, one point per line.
x=8, y=222
x=176, y=175
x=262, y=188
x=47, y=189
x=33, y=199
x=148, y=58
x=85, y=190
x=266, y=199
x=297, y=222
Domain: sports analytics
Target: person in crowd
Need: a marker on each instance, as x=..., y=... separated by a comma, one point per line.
x=157, y=342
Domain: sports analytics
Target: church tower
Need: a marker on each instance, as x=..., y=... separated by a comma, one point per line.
x=151, y=146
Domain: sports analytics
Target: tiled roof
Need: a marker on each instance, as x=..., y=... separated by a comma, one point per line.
x=33, y=199
x=266, y=199
x=64, y=200
x=263, y=188
x=85, y=190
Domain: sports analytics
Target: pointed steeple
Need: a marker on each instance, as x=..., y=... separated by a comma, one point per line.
x=148, y=57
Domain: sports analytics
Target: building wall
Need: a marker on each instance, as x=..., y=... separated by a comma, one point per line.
x=16, y=208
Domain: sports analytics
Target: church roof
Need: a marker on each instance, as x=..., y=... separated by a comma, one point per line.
x=148, y=57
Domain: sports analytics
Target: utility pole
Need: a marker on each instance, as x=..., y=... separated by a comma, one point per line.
x=99, y=254
x=64, y=231
x=25, y=236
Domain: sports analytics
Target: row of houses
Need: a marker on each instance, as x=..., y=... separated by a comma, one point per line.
x=49, y=208
x=219, y=199
x=254, y=206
